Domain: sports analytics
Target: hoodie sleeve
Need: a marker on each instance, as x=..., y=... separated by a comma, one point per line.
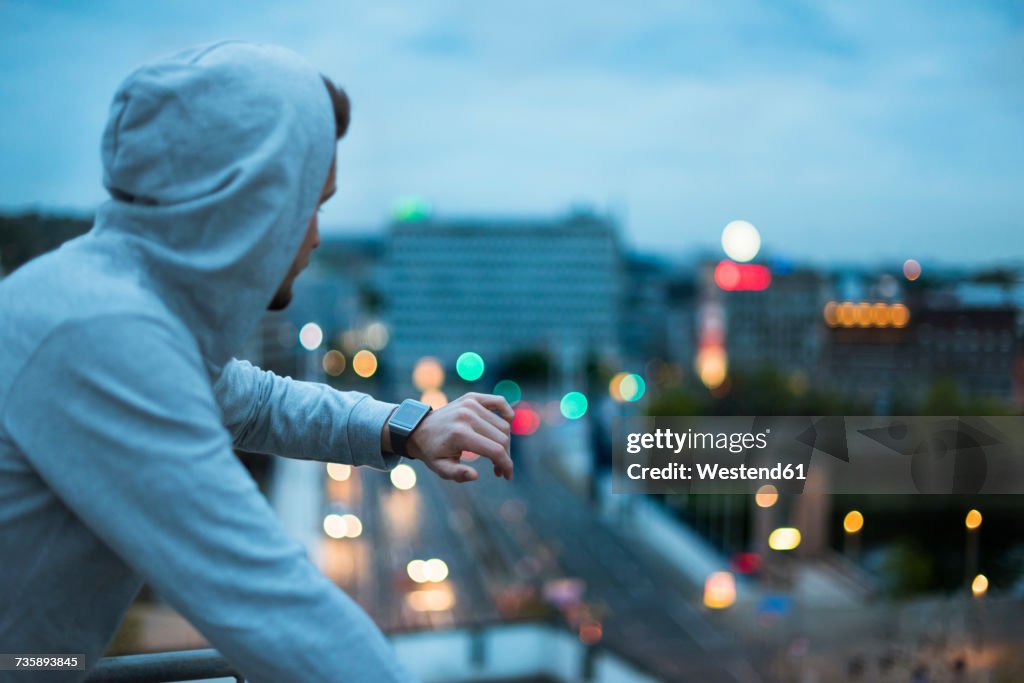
x=117, y=417
x=266, y=413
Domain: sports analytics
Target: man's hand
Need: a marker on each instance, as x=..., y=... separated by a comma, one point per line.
x=468, y=423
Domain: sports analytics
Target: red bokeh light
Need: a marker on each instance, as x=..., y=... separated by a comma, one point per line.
x=742, y=277
x=746, y=563
x=526, y=420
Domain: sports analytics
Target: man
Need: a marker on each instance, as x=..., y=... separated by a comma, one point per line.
x=120, y=401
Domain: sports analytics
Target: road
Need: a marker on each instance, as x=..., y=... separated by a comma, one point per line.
x=506, y=544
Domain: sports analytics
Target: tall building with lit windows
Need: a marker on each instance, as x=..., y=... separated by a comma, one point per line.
x=500, y=287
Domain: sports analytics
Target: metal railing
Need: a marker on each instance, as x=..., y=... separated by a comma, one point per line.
x=163, y=667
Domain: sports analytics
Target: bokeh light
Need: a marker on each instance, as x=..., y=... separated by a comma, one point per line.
x=784, y=538
x=334, y=362
x=376, y=335
x=509, y=390
x=632, y=387
x=973, y=520
x=615, y=386
x=428, y=374
x=403, y=477
x=831, y=314
x=470, y=366
x=911, y=269
x=526, y=420
x=435, y=398
x=574, y=405
x=719, y=590
x=417, y=570
x=436, y=570
x=711, y=366
x=311, y=336
x=900, y=315
x=364, y=363
x=853, y=522
x=338, y=471
x=766, y=496
x=353, y=527
x=979, y=586
x=334, y=526
x=741, y=241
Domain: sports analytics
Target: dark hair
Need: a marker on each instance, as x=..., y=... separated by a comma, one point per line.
x=342, y=107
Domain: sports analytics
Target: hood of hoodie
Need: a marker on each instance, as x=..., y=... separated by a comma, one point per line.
x=215, y=158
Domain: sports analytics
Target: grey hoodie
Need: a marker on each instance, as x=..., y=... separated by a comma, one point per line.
x=120, y=401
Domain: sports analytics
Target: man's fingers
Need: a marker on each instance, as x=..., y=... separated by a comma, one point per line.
x=453, y=471
x=491, y=450
x=482, y=426
x=500, y=423
x=493, y=402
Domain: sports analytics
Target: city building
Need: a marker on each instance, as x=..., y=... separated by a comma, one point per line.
x=499, y=287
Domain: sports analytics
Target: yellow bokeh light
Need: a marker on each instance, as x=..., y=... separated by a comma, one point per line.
x=434, y=398
x=766, y=496
x=339, y=472
x=853, y=522
x=436, y=570
x=353, y=527
x=403, y=477
x=900, y=315
x=845, y=314
x=614, y=387
x=784, y=538
x=862, y=314
x=712, y=366
x=973, y=520
x=719, y=590
x=333, y=362
x=428, y=375
x=880, y=315
x=334, y=526
x=831, y=314
x=417, y=570
x=980, y=585
x=364, y=363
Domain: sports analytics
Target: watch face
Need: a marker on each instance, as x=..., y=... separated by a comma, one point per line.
x=407, y=414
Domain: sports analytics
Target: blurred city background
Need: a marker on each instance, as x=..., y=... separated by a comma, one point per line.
x=676, y=210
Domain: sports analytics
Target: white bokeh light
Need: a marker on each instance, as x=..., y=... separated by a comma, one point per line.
x=311, y=336
x=741, y=241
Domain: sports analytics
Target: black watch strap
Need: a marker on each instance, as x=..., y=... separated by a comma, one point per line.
x=403, y=422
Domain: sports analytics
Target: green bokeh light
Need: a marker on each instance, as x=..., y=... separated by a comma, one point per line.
x=509, y=390
x=470, y=366
x=411, y=209
x=574, y=405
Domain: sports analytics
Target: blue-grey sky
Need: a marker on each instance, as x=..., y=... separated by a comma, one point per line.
x=853, y=131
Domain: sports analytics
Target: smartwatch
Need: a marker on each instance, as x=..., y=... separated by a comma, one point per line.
x=402, y=423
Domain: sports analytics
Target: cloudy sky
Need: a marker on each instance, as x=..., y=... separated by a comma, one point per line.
x=852, y=131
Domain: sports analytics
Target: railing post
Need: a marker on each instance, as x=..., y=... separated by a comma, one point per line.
x=477, y=648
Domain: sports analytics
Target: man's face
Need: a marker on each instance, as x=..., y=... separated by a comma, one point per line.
x=311, y=241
